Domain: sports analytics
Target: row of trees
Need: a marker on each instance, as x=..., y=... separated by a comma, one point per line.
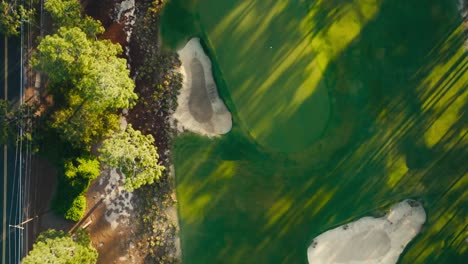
x=90, y=86
x=12, y=14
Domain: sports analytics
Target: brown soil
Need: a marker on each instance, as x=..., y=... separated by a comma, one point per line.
x=103, y=10
x=113, y=245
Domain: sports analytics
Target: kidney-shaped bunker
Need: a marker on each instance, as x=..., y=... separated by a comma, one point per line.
x=370, y=240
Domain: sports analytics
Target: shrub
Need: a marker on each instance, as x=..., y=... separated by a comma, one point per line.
x=77, y=209
x=54, y=246
x=73, y=183
x=81, y=171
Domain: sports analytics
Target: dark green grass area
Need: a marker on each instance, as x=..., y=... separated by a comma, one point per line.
x=396, y=129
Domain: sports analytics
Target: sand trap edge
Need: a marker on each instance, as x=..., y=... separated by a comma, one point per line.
x=221, y=121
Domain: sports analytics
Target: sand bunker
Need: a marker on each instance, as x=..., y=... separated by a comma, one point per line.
x=200, y=109
x=370, y=240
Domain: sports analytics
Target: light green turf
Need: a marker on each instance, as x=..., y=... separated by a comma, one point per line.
x=395, y=76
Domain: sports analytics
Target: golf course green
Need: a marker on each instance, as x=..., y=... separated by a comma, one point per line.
x=340, y=109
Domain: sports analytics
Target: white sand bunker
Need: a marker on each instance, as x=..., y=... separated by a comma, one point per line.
x=200, y=109
x=370, y=240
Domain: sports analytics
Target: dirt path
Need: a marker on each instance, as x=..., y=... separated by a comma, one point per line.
x=42, y=182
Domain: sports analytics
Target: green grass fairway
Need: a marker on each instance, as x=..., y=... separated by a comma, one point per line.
x=357, y=105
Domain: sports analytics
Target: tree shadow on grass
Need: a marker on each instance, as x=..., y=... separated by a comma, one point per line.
x=240, y=203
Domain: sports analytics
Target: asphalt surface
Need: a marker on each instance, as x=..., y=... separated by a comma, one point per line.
x=10, y=183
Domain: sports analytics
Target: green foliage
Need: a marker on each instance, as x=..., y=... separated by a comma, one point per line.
x=91, y=26
x=11, y=118
x=67, y=13
x=64, y=196
x=135, y=155
x=57, y=247
x=81, y=126
x=5, y=129
x=73, y=184
x=90, y=67
x=64, y=12
x=77, y=209
x=63, y=56
x=91, y=78
x=12, y=15
x=87, y=168
x=90, y=83
x=81, y=172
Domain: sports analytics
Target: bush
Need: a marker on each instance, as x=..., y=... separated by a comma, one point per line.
x=81, y=171
x=77, y=209
x=64, y=12
x=78, y=173
x=54, y=246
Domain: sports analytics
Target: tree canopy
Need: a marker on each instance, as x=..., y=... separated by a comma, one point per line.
x=135, y=155
x=5, y=128
x=64, y=12
x=12, y=14
x=91, y=67
x=77, y=176
x=13, y=117
x=57, y=247
x=82, y=171
x=67, y=13
x=92, y=80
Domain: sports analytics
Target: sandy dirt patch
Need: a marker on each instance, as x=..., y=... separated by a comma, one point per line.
x=110, y=220
x=200, y=109
x=370, y=240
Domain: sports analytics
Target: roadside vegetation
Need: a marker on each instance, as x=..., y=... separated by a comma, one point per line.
x=12, y=13
x=397, y=127
x=157, y=84
x=90, y=86
x=134, y=155
x=79, y=126
x=13, y=118
x=54, y=246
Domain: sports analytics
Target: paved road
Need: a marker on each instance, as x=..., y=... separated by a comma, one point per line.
x=10, y=183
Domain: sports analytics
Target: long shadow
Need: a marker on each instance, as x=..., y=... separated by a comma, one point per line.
x=247, y=204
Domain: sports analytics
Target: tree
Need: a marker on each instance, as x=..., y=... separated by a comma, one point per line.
x=135, y=155
x=90, y=77
x=11, y=118
x=81, y=171
x=70, y=200
x=12, y=15
x=5, y=128
x=64, y=12
x=57, y=247
x=90, y=67
x=81, y=126
x=67, y=13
